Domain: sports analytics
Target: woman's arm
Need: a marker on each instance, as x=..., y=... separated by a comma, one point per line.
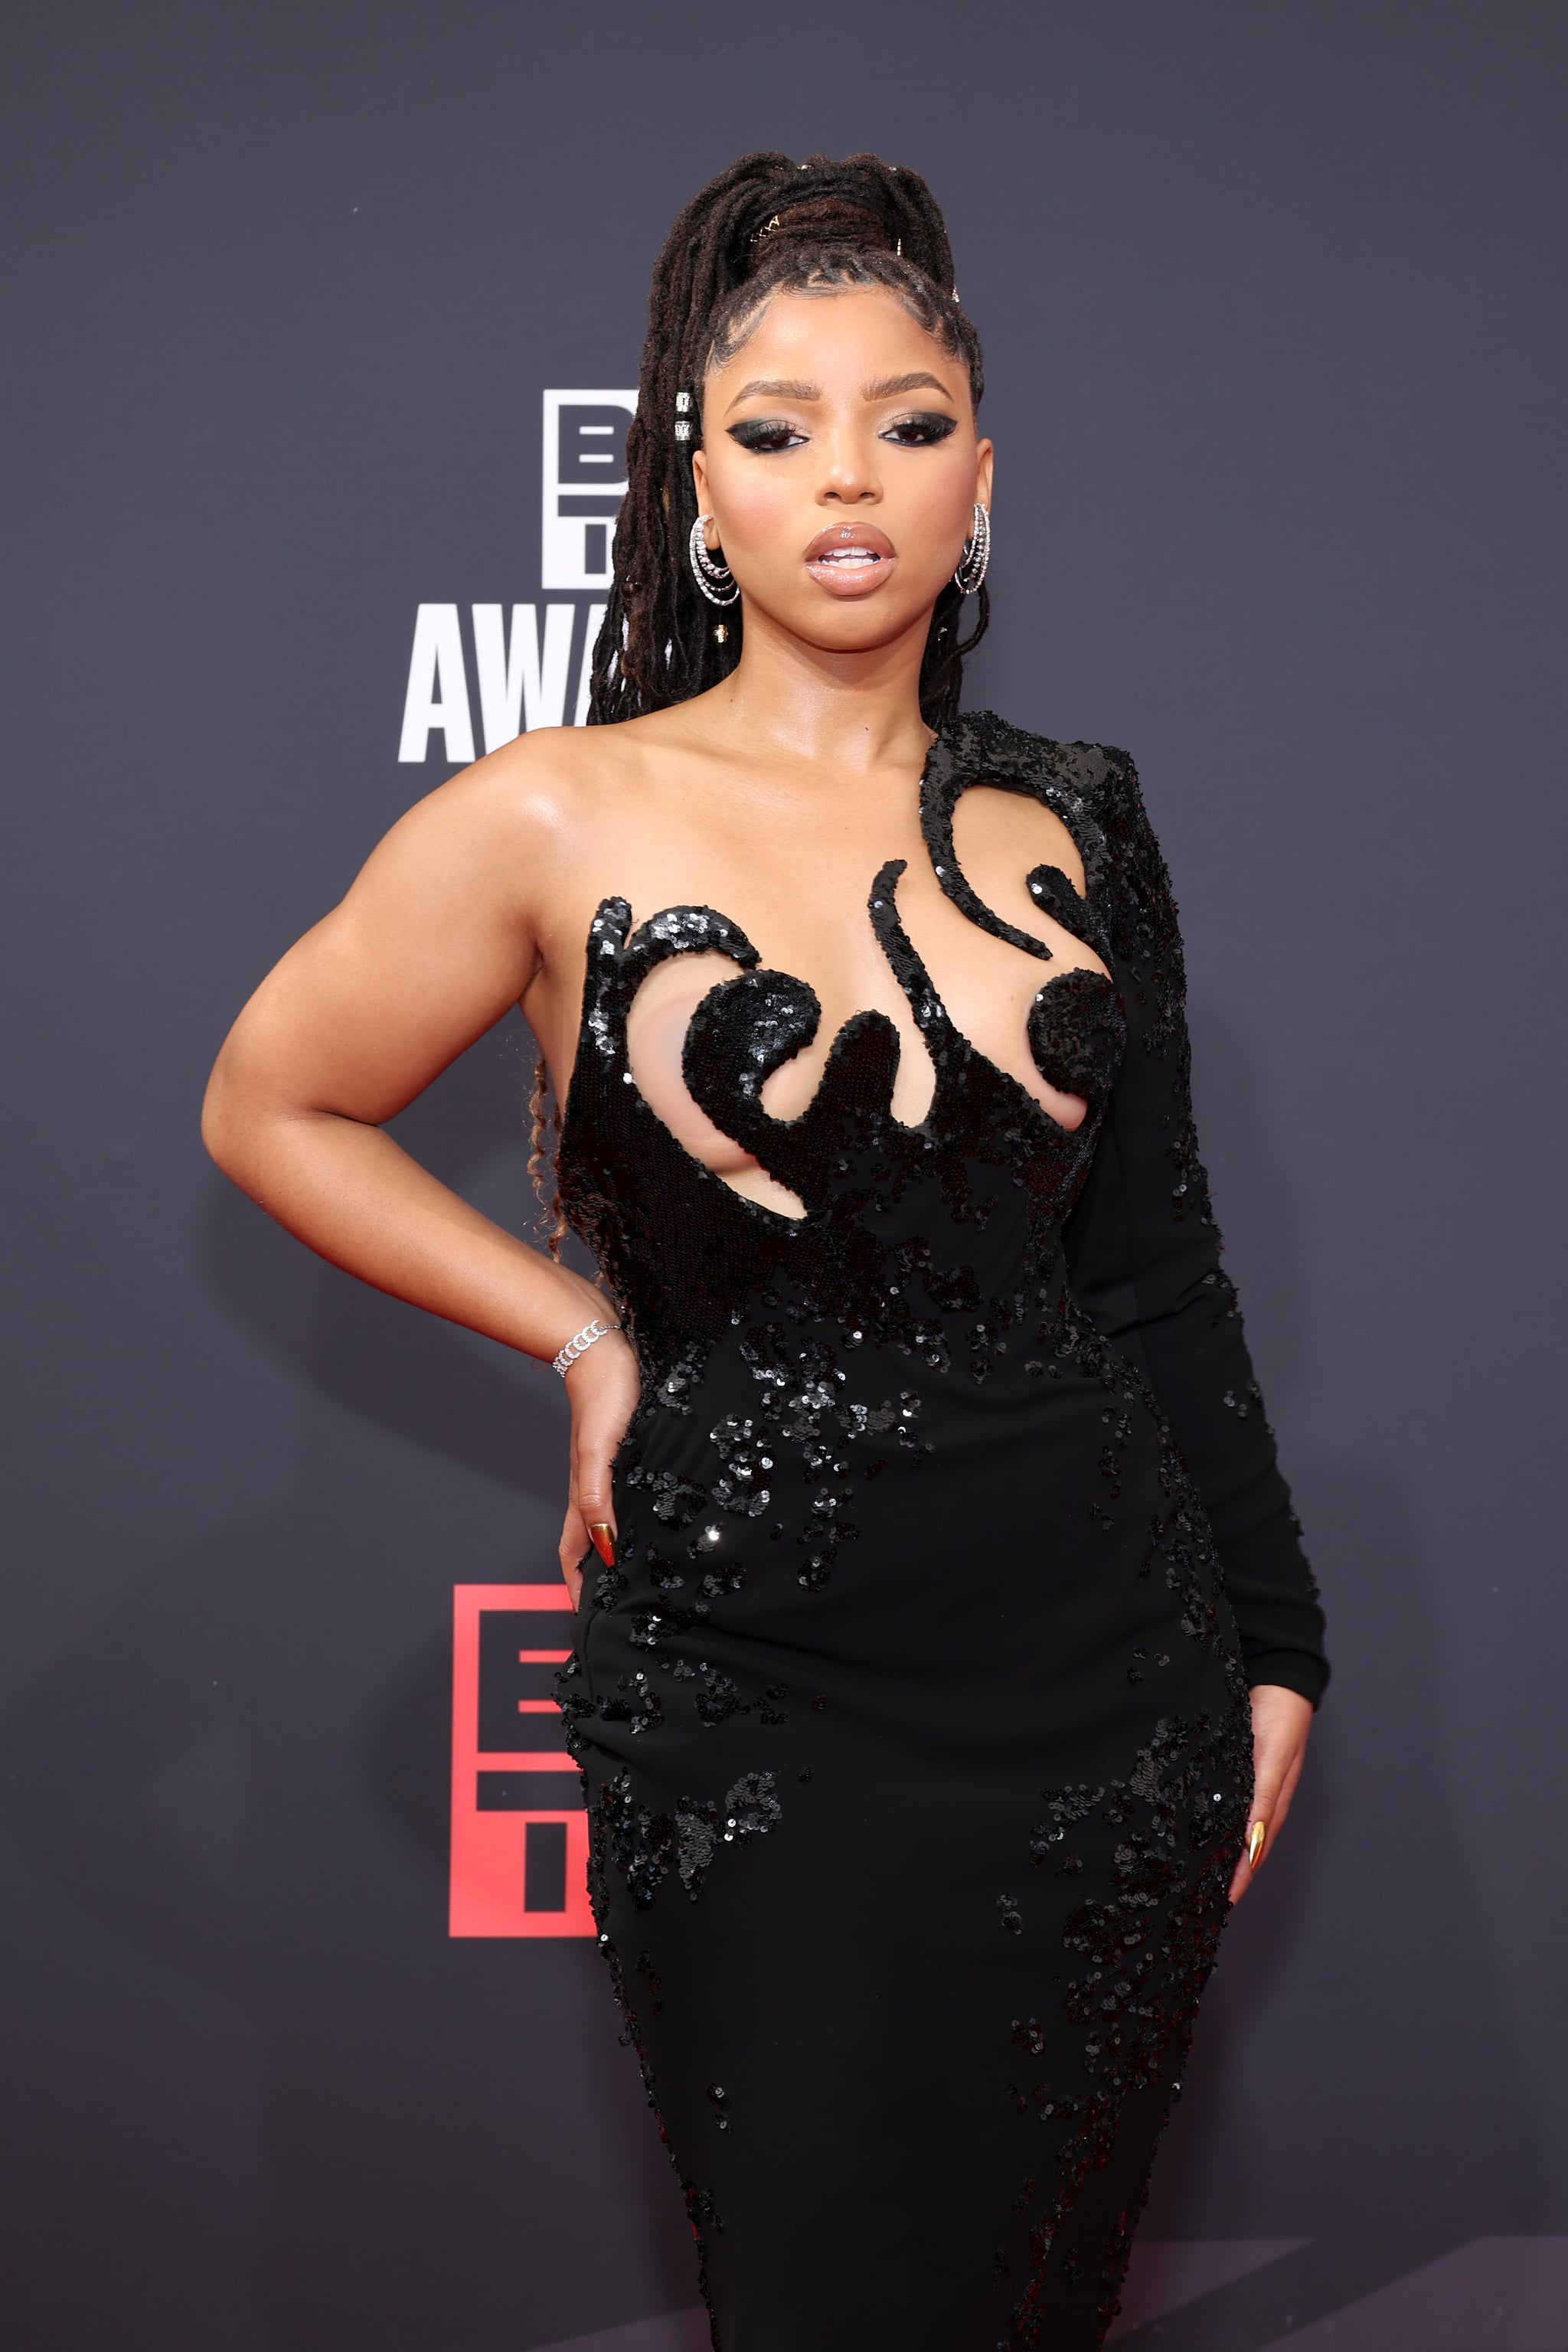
x=432, y=944
x=1143, y=1255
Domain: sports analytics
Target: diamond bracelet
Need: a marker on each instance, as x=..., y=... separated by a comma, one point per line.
x=580, y=1343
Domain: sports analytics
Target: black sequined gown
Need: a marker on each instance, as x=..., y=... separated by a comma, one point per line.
x=913, y=1720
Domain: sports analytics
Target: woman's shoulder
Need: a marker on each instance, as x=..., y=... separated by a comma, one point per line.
x=550, y=784
x=1094, y=788
x=1099, y=776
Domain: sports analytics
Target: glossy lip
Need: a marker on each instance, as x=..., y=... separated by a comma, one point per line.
x=851, y=579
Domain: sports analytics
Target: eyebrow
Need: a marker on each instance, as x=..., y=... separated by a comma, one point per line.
x=776, y=388
x=891, y=385
x=887, y=388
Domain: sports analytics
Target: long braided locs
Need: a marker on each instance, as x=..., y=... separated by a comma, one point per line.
x=544, y=1114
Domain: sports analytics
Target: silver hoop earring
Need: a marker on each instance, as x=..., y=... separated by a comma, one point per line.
x=712, y=578
x=977, y=554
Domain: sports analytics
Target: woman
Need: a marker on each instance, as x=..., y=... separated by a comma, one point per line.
x=948, y=1598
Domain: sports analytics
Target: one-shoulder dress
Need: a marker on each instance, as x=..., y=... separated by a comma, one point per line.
x=913, y=1718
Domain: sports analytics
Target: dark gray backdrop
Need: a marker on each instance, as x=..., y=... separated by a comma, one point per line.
x=1272, y=304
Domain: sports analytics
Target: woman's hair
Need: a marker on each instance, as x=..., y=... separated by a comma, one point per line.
x=764, y=225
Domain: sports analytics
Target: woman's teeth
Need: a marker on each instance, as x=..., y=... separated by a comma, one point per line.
x=859, y=557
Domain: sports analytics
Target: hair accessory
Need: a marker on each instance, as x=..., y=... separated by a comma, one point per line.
x=710, y=577
x=579, y=1344
x=977, y=554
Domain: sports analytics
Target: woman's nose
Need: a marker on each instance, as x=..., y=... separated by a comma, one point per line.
x=851, y=477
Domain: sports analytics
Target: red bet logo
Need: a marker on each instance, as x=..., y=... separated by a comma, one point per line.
x=519, y=1835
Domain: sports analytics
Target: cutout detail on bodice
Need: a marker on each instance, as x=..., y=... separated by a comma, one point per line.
x=705, y=1060
x=831, y=1175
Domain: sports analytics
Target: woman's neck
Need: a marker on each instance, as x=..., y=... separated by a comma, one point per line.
x=789, y=702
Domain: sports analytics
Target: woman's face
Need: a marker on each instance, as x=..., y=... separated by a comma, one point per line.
x=840, y=464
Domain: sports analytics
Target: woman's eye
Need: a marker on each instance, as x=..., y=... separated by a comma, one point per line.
x=922, y=431
x=766, y=433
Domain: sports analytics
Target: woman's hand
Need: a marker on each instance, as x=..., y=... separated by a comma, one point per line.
x=1280, y=1721
x=603, y=1386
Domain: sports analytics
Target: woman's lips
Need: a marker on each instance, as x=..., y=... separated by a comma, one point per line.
x=851, y=559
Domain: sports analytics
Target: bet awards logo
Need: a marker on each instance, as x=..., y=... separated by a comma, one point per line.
x=528, y=674
x=519, y=1835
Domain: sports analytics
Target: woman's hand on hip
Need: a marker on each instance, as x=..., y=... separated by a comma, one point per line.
x=1281, y=1719
x=603, y=1387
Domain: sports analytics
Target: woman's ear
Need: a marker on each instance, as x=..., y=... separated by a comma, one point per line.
x=983, y=474
x=699, y=480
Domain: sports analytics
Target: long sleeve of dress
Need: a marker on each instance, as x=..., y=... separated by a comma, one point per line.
x=1143, y=1258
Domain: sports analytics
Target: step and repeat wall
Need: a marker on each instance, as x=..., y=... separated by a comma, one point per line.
x=321, y=323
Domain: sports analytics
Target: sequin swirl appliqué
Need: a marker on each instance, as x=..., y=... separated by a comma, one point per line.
x=637, y=1195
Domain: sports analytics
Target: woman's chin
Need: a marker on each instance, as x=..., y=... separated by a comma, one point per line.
x=837, y=624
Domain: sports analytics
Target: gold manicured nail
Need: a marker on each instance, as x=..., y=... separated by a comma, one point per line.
x=603, y=1541
x=1255, y=1837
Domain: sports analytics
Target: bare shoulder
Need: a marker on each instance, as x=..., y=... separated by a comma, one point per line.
x=561, y=783
x=526, y=810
